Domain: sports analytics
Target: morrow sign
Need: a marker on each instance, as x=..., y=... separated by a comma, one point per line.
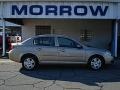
x=78, y=10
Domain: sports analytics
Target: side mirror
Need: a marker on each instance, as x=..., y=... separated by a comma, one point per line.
x=79, y=47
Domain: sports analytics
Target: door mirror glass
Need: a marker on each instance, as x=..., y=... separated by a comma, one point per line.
x=79, y=47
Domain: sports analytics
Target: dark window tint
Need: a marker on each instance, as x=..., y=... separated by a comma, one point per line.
x=44, y=41
x=65, y=42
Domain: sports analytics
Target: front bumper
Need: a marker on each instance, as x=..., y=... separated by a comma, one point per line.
x=109, y=59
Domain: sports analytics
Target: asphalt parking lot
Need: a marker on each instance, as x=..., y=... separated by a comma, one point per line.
x=58, y=77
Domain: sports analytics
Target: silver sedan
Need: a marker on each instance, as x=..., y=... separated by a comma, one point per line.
x=57, y=49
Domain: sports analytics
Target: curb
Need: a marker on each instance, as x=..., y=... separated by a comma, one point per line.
x=6, y=61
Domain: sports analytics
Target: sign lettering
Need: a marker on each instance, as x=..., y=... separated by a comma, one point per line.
x=78, y=10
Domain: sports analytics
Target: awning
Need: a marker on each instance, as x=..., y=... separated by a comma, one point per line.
x=9, y=24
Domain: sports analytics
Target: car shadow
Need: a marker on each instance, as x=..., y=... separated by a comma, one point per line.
x=76, y=73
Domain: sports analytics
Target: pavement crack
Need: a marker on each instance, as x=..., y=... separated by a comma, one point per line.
x=20, y=85
x=73, y=89
x=3, y=83
x=101, y=87
x=37, y=83
x=50, y=84
x=10, y=78
x=54, y=82
x=13, y=76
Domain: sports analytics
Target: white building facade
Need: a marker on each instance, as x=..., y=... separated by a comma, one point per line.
x=92, y=22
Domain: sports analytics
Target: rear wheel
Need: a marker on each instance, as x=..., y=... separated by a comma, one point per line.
x=96, y=62
x=29, y=62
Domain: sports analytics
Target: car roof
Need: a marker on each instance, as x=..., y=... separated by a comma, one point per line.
x=55, y=35
x=45, y=35
x=49, y=35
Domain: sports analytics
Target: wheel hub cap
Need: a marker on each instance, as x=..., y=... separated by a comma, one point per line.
x=96, y=63
x=29, y=63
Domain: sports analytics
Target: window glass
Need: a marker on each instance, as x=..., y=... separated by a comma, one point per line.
x=65, y=42
x=44, y=41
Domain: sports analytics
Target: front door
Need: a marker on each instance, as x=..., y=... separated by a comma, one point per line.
x=69, y=52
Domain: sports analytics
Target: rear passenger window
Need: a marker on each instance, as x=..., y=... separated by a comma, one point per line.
x=44, y=41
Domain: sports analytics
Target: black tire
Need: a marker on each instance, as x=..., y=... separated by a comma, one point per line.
x=96, y=62
x=30, y=62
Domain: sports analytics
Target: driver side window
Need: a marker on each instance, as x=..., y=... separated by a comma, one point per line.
x=65, y=42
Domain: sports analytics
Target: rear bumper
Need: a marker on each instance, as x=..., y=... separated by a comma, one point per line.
x=13, y=56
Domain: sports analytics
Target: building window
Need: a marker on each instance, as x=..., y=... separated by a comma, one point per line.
x=40, y=30
x=86, y=35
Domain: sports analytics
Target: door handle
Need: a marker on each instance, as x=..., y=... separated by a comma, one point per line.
x=38, y=49
x=62, y=50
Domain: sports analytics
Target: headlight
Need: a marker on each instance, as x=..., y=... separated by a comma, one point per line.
x=108, y=53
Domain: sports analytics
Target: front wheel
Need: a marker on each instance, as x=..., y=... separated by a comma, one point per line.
x=29, y=63
x=96, y=63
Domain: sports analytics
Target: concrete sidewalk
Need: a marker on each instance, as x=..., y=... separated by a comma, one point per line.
x=5, y=60
x=58, y=77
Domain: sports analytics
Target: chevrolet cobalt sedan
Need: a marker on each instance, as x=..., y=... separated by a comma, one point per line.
x=57, y=49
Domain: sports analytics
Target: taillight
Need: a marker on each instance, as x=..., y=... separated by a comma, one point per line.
x=11, y=46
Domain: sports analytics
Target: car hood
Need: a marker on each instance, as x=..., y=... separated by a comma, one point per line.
x=95, y=49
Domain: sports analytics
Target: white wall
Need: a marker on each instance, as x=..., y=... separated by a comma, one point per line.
x=101, y=29
x=28, y=30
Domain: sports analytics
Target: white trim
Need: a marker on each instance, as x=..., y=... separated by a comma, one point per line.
x=61, y=0
x=116, y=36
x=9, y=24
x=3, y=22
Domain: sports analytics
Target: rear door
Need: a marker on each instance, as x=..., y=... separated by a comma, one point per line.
x=46, y=49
